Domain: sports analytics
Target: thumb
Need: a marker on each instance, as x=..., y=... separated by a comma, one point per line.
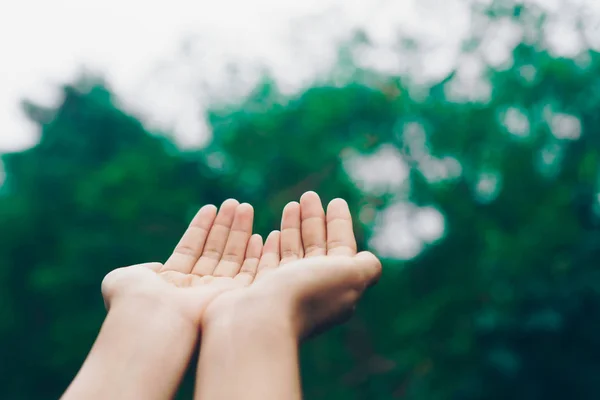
x=370, y=265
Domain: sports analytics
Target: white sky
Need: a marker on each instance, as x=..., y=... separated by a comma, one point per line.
x=137, y=45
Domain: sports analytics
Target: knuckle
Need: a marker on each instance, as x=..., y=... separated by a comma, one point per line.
x=212, y=254
x=231, y=258
x=184, y=249
x=335, y=243
x=289, y=254
x=315, y=248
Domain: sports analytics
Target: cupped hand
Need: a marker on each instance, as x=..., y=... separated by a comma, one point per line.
x=217, y=253
x=314, y=279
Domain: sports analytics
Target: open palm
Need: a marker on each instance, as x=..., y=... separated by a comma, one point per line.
x=217, y=253
x=313, y=275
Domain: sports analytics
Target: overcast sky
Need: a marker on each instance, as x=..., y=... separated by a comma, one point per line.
x=137, y=45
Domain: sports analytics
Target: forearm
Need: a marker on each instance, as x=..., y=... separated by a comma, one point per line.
x=253, y=357
x=141, y=353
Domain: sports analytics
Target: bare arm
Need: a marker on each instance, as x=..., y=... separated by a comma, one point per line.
x=141, y=352
x=249, y=356
x=309, y=278
x=155, y=310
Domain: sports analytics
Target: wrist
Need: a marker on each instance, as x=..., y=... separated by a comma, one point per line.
x=244, y=340
x=154, y=310
x=139, y=342
x=255, y=311
x=151, y=312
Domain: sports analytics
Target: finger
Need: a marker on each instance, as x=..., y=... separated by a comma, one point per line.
x=217, y=238
x=291, y=238
x=314, y=234
x=370, y=265
x=340, y=235
x=153, y=266
x=237, y=242
x=188, y=250
x=250, y=265
x=270, y=255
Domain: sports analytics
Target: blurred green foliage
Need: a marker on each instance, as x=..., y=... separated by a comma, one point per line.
x=505, y=305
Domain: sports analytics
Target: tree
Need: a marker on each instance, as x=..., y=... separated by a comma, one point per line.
x=503, y=305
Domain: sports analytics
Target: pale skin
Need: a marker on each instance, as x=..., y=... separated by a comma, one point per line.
x=223, y=281
x=250, y=338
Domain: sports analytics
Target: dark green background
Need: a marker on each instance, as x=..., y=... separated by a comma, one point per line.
x=505, y=306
